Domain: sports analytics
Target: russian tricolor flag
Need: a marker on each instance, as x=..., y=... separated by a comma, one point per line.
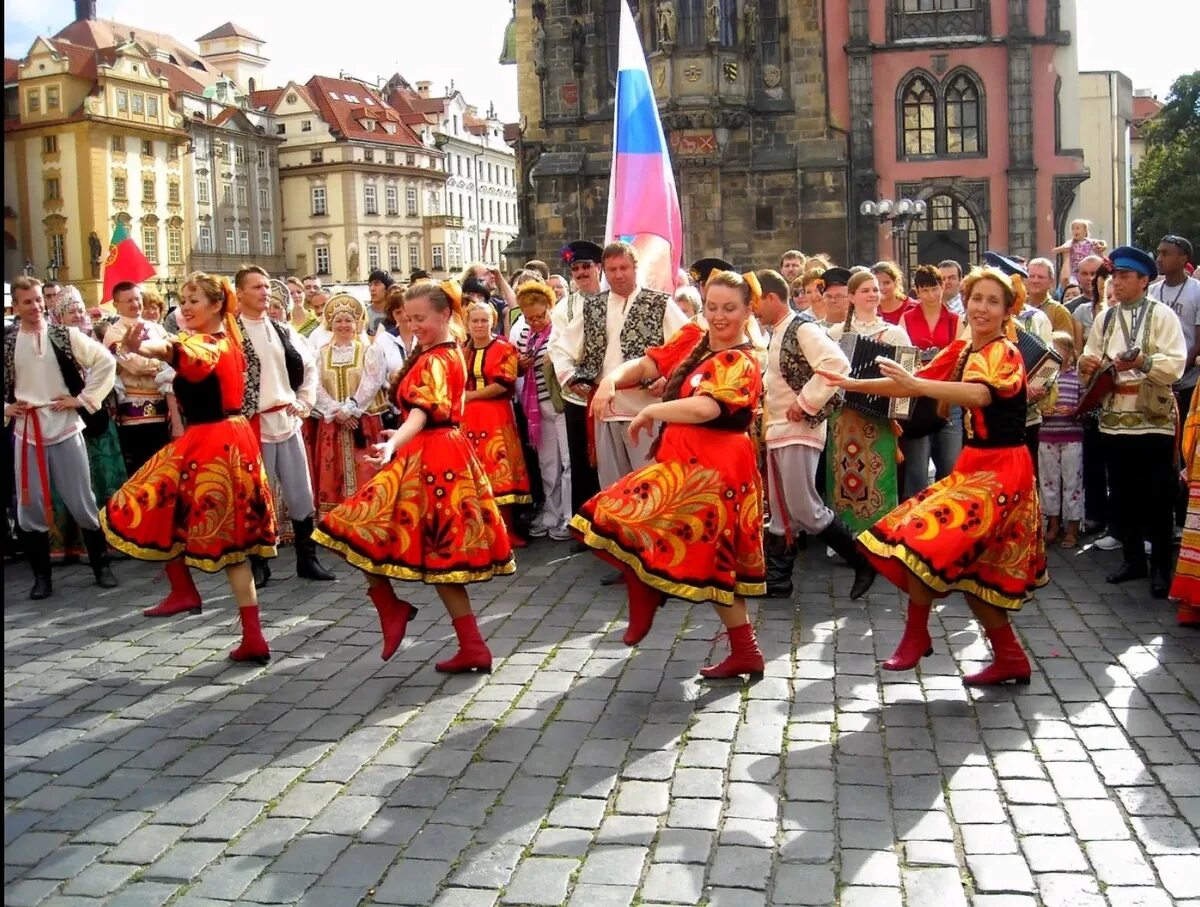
x=643, y=205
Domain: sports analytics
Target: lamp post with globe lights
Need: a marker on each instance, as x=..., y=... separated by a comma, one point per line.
x=900, y=214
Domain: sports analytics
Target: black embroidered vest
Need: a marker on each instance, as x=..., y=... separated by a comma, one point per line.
x=797, y=371
x=94, y=424
x=643, y=328
x=293, y=363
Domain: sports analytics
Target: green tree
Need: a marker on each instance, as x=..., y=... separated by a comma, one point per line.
x=1166, y=185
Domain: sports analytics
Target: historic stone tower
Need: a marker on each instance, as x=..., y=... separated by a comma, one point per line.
x=741, y=88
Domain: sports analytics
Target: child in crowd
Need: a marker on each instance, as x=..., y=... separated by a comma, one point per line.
x=1071, y=292
x=1060, y=450
x=1080, y=247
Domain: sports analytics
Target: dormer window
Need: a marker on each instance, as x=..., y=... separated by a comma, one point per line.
x=368, y=125
x=352, y=98
x=389, y=128
x=334, y=95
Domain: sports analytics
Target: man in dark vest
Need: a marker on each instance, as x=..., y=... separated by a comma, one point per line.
x=45, y=393
x=796, y=404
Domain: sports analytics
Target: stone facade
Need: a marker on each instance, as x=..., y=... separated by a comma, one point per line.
x=742, y=99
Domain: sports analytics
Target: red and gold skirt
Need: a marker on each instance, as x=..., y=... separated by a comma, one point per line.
x=1185, y=588
x=338, y=466
x=429, y=515
x=492, y=430
x=204, y=496
x=977, y=531
x=690, y=524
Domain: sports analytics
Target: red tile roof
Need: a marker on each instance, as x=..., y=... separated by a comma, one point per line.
x=1144, y=108
x=343, y=115
x=266, y=99
x=99, y=33
x=10, y=71
x=230, y=30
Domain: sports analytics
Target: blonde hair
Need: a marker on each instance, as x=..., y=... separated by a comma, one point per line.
x=1065, y=340
x=482, y=307
x=533, y=293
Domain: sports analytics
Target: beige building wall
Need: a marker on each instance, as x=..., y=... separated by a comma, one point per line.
x=1105, y=111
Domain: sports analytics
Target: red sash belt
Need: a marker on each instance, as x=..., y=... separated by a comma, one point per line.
x=256, y=419
x=39, y=452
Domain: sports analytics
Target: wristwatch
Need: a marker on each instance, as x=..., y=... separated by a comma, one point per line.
x=1147, y=364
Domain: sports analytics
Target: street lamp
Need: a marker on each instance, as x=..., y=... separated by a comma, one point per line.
x=28, y=269
x=52, y=272
x=901, y=214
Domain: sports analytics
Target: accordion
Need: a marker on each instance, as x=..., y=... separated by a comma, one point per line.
x=1042, y=362
x=862, y=352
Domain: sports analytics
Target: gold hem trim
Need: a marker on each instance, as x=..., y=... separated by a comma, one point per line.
x=398, y=571
x=505, y=500
x=208, y=565
x=921, y=569
x=685, y=591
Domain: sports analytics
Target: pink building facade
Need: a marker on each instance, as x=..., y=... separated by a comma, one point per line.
x=957, y=103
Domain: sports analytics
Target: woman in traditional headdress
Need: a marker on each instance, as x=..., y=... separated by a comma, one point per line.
x=351, y=397
x=428, y=515
x=979, y=530
x=489, y=424
x=690, y=524
x=203, y=500
x=1185, y=587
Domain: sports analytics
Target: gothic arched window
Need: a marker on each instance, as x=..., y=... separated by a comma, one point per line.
x=918, y=106
x=963, y=119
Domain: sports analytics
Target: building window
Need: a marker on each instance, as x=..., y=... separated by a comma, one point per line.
x=172, y=193
x=369, y=155
x=51, y=98
x=370, y=199
x=318, y=202
x=262, y=157
x=393, y=257
x=244, y=242
x=919, y=118
x=119, y=188
x=202, y=192
x=266, y=247
x=439, y=262
x=306, y=126
x=152, y=107
x=118, y=143
x=139, y=101
x=389, y=157
x=922, y=20
x=50, y=144
x=174, y=245
x=391, y=197
x=455, y=251
x=410, y=160
x=52, y=191
x=227, y=193
x=945, y=217
x=239, y=154
x=206, y=238
x=148, y=189
x=264, y=198
x=58, y=253
x=242, y=195
x=281, y=128
x=410, y=201
x=33, y=100
x=222, y=149
x=122, y=101
x=321, y=257
x=231, y=242
x=150, y=242
x=414, y=256
x=962, y=116
x=147, y=148
x=316, y=157
x=372, y=256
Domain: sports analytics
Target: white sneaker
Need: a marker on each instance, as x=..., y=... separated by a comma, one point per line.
x=538, y=532
x=1107, y=543
x=829, y=552
x=560, y=534
x=1147, y=546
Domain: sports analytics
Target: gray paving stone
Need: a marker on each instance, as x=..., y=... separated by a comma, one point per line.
x=588, y=895
x=144, y=894
x=934, y=888
x=613, y=865
x=412, y=881
x=674, y=883
x=741, y=867
x=99, y=879
x=184, y=862
x=541, y=880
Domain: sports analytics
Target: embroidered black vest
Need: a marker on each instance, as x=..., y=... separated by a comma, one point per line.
x=94, y=424
x=643, y=328
x=797, y=371
x=293, y=363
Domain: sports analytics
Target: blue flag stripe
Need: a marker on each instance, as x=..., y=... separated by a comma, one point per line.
x=637, y=126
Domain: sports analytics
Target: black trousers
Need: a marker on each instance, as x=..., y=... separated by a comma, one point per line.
x=1144, y=481
x=140, y=442
x=1095, y=476
x=584, y=482
x=1031, y=441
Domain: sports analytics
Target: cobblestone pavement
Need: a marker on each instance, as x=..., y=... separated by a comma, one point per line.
x=143, y=768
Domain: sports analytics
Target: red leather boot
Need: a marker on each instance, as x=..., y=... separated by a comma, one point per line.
x=184, y=597
x=1009, y=661
x=473, y=653
x=513, y=539
x=915, y=644
x=744, y=657
x=254, y=644
x=644, y=601
x=1188, y=615
x=394, y=615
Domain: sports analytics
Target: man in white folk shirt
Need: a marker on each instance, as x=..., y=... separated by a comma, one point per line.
x=44, y=391
x=796, y=405
x=617, y=326
x=281, y=388
x=1182, y=294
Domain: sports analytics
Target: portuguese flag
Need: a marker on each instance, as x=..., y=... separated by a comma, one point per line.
x=125, y=262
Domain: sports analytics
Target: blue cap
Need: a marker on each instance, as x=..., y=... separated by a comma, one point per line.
x=1131, y=258
x=1005, y=265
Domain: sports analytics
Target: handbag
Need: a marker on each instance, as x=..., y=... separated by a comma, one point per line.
x=1099, y=386
x=552, y=385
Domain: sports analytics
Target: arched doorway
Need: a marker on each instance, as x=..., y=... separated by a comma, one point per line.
x=949, y=230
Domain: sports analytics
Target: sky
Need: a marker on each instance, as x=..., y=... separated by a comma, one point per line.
x=460, y=40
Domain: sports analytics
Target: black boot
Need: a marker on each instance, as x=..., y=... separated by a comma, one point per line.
x=838, y=537
x=97, y=549
x=37, y=548
x=261, y=571
x=307, y=565
x=781, y=559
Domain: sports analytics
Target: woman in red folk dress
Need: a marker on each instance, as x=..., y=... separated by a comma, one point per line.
x=489, y=423
x=428, y=515
x=690, y=523
x=203, y=500
x=979, y=530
